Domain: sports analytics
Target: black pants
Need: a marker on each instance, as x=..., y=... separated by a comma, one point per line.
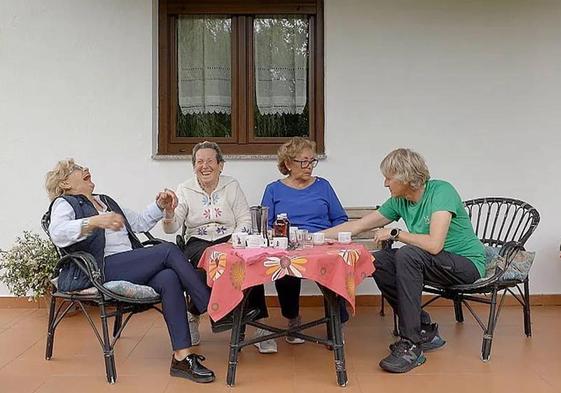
x=164, y=268
x=195, y=248
x=288, y=290
x=400, y=275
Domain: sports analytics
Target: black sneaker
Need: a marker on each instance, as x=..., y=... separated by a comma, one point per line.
x=405, y=356
x=191, y=368
x=431, y=338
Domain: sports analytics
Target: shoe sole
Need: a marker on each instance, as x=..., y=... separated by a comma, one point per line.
x=431, y=348
x=296, y=341
x=195, y=343
x=420, y=360
x=181, y=374
x=266, y=351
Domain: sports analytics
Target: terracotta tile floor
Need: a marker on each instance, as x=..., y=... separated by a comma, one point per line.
x=518, y=364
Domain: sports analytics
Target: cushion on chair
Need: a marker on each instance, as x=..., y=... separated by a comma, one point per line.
x=133, y=291
x=517, y=270
x=123, y=288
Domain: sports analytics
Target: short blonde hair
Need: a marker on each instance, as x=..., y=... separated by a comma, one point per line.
x=290, y=149
x=407, y=166
x=55, y=178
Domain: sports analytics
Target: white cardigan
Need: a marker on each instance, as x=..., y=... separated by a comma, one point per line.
x=210, y=217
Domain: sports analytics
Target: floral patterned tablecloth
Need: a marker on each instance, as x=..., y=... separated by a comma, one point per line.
x=339, y=267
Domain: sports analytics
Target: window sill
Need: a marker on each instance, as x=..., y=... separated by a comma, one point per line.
x=227, y=157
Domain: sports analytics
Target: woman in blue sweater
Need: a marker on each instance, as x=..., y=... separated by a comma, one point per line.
x=310, y=203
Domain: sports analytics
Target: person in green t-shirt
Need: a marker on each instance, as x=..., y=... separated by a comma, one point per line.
x=440, y=246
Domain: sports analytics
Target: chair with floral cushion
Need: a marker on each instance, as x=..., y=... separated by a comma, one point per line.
x=503, y=225
x=118, y=299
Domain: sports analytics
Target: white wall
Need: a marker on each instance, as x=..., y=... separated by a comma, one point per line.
x=474, y=86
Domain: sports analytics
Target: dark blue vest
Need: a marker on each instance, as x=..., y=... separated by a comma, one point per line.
x=71, y=278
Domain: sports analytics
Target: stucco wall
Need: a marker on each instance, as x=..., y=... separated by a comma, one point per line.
x=474, y=86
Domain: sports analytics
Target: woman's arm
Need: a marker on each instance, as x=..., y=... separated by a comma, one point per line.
x=240, y=209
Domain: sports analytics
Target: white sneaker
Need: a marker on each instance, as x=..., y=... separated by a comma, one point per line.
x=292, y=323
x=194, y=321
x=267, y=346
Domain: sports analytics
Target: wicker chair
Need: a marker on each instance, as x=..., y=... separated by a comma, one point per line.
x=110, y=303
x=498, y=222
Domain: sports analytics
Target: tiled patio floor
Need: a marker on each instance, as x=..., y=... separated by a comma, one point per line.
x=518, y=364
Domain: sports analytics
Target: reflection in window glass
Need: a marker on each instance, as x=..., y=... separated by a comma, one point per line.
x=204, y=81
x=281, y=54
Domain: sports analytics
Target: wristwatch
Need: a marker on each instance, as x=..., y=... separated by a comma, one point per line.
x=394, y=233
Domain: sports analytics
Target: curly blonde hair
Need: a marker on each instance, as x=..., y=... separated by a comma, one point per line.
x=407, y=166
x=289, y=151
x=55, y=178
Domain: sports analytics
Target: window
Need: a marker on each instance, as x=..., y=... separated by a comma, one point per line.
x=247, y=74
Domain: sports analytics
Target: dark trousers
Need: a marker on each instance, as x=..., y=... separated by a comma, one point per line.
x=288, y=290
x=195, y=248
x=164, y=268
x=400, y=275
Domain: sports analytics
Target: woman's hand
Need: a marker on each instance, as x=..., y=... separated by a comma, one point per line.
x=112, y=221
x=167, y=201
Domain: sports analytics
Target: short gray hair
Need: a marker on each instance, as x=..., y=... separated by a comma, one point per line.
x=208, y=145
x=407, y=166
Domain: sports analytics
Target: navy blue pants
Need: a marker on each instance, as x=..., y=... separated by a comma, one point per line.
x=164, y=268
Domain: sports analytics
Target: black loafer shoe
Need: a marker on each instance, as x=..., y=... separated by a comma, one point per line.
x=191, y=368
x=227, y=322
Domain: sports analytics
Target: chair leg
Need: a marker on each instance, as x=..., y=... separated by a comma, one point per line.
x=382, y=306
x=108, y=354
x=51, y=329
x=526, y=310
x=458, y=310
x=488, y=334
x=118, y=321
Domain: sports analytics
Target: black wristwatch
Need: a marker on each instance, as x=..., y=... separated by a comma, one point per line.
x=394, y=233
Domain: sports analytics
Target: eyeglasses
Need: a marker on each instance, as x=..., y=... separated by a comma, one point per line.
x=307, y=163
x=76, y=167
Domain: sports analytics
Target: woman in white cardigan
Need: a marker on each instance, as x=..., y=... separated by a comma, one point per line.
x=211, y=206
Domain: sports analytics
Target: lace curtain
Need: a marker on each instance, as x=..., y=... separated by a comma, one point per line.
x=204, y=65
x=281, y=64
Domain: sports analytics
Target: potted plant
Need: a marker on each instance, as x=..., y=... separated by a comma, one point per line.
x=28, y=266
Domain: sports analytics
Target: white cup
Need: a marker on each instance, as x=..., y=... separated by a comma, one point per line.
x=280, y=242
x=344, y=237
x=255, y=241
x=318, y=238
x=239, y=239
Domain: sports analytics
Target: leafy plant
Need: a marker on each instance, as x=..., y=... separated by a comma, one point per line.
x=28, y=266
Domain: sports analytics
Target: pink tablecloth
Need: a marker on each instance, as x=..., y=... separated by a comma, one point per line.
x=339, y=267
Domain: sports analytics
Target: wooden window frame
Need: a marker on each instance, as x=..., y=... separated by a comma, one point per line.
x=241, y=142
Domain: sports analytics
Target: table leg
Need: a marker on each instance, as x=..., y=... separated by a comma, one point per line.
x=335, y=329
x=235, y=342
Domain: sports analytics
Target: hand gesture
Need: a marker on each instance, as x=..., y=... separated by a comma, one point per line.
x=167, y=201
x=112, y=221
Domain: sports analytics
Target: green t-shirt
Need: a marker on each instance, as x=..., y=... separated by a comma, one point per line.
x=439, y=196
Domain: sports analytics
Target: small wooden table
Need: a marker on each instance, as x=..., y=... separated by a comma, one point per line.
x=337, y=269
